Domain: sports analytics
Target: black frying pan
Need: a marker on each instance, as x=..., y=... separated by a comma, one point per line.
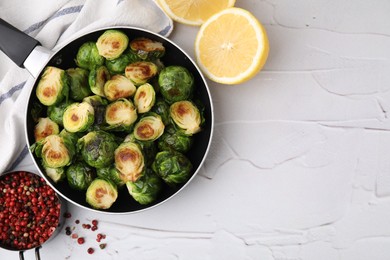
x=24, y=50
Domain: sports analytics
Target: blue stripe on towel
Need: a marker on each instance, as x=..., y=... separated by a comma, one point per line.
x=20, y=158
x=165, y=30
x=68, y=10
x=10, y=92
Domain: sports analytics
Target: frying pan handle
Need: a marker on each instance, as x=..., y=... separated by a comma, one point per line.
x=37, y=256
x=15, y=44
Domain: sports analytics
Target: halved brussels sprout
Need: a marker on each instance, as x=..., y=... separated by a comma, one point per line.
x=80, y=175
x=88, y=56
x=101, y=194
x=53, y=86
x=79, y=87
x=140, y=72
x=186, y=116
x=149, y=148
x=112, y=174
x=129, y=161
x=112, y=43
x=144, y=98
x=99, y=106
x=118, y=65
x=118, y=87
x=45, y=127
x=97, y=148
x=149, y=128
x=161, y=108
x=56, y=151
x=121, y=114
x=97, y=78
x=176, y=83
x=78, y=117
x=56, y=174
x=173, y=139
x=146, y=189
x=56, y=112
x=173, y=167
x=147, y=48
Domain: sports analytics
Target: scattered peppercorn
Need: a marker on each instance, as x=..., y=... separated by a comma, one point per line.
x=80, y=240
x=93, y=228
x=94, y=222
x=77, y=221
x=90, y=250
x=74, y=236
x=67, y=215
x=102, y=246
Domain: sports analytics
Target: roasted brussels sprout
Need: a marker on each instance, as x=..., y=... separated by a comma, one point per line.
x=161, y=108
x=173, y=139
x=112, y=174
x=140, y=72
x=120, y=115
x=129, y=161
x=99, y=107
x=146, y=48
x=88, y=56
x=78, y=117
x=101, y=194
x=149, y=128
x=146, y=189
x=186, y=116
x=79, y=87
x=45, y=127
x=70, y=138
x=112, y=43
x=118, y=87
x=149, y=148
x=97, y=148
x=176, y=83
x=97, y=78
x=173, y=167
x=53, y=86
x=118, y=65
x=144, y=98
x=55, y=151
x=80, y=175
x=56, y=112
x=56, y=174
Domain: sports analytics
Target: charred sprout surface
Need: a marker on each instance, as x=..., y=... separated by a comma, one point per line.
x=120, y=115
x=45, y=127
x=101, y=194
x=53, y=86
x=149, y=128
x=118, y=87
x=186, y=116
x=88, y=56
x=141, y=72
x=144, y=98
x=78, y=117
x=112, y=43
x=129, y=161
x=176, y=84
x=116, y=117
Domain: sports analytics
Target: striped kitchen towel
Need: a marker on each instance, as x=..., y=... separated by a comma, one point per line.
x=52, y=23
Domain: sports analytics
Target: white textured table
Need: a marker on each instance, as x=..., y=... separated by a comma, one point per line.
x=299, y=167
